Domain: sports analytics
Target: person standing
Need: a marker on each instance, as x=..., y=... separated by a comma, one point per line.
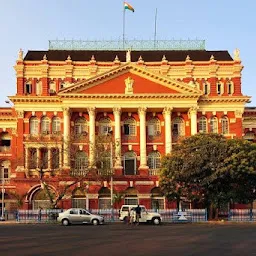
x=39, y=214
x=131, y=216
x=138, y=214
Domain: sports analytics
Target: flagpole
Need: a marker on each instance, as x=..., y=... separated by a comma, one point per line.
x=155, y=29
x=123, y=26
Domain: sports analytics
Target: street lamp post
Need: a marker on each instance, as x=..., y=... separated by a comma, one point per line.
x=111, y=180
x=2, y=215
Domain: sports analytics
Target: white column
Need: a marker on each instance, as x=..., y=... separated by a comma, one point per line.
x=117, y=115
x=193, y=118
x=143, y=148
x=66, y=134
x=91, y=112
x=38, y=157
x=49, y=158
x=168, y=132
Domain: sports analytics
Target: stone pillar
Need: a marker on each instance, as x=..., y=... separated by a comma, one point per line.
x=168, y=132
x=143, y=148
x=193, y=118
x=118, y=146
x=66, y=134
x=91, y=112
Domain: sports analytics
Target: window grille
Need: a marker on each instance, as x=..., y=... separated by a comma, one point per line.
x=33, y=126
x=154, y=160
x=130, y=127
x=45, y=125
x=154, y=127
x=105, y=126
x=224, y=125
x=81, y=126
x=56, y=125
x=81, y=160
x=105, y=203
x=202, y=124
x=131, y=201
x=214, y=125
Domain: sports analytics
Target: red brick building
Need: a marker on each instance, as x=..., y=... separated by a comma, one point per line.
x=148, y=99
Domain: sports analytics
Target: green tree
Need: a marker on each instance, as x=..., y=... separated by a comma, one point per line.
x=186, y=172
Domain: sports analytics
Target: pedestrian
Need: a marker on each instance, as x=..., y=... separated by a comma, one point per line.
x=138, y=214
x=39, y=214
x=131, y=220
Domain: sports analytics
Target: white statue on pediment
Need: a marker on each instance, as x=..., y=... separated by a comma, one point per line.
x=128, y=56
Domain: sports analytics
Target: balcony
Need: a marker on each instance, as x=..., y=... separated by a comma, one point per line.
x=5, y=149
x=154, y=172
x=79, y=172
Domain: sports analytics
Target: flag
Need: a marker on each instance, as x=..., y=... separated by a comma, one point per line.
x=128, y=7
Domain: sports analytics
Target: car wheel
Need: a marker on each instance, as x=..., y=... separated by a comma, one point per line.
x=156, y=221
x=65, y=222
x=95, y=222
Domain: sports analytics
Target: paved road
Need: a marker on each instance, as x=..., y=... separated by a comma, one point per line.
x=121, y=240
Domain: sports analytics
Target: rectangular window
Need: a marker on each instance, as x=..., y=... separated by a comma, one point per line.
x=28, y=88
x=157, y=203
x=78, y=202
x=126, y=129
x=219, y=89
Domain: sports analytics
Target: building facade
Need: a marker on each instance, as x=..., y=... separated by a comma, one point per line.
x=144, y=100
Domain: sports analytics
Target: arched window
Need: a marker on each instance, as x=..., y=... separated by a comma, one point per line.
x=214, y=125
x=219, y=88
x=45, y=125
x=154, y=160
x=206, y=89
x=56, y=125
x=178, y=128
x=224, y=125
x=52, y=87
x=105, y=126
x=130, y=163
x=202, y=124
x=28, y=88
x=130, y=127
x=154, y=127
x=81, y=164
x=33, y=124
x=81, y=126
x=230, y=88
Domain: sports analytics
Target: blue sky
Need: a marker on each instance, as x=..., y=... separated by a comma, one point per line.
x=29, y=24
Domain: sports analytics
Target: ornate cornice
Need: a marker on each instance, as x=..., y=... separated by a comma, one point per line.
x=134, y=96
x=16, y=99
x=241, y=99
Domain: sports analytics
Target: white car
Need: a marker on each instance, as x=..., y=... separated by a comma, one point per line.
x=151, y=217
x=79, y=216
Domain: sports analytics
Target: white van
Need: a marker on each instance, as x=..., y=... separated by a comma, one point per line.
x=152, y=217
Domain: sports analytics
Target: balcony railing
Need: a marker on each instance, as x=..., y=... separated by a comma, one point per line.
x=83, y=171
x=5, y=149
x=154, y=172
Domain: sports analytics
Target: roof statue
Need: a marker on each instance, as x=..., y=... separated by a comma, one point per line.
x=212, y=57
x=20, y=55
x=45, y=57
x=128, y=56
x=237, y=54
x=187, y=58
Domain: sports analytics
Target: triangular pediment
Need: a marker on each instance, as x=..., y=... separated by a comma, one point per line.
x=130, y=79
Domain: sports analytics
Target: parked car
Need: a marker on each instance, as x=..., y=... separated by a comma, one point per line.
x=151, y=217
x=79, y=216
